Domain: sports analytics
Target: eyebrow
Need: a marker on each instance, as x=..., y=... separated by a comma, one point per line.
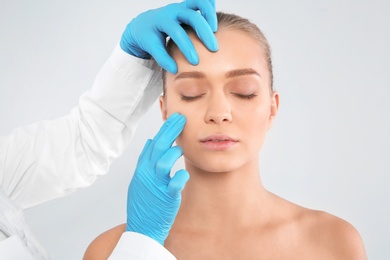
x=241, y=72
x=229, y=74
x=190, y=75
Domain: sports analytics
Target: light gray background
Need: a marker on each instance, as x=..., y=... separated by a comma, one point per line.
x=329, y=148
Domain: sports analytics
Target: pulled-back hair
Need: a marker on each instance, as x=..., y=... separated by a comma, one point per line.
x=234, y=22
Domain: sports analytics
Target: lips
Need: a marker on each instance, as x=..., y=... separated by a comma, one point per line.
x=217, y=138
x=218, y=142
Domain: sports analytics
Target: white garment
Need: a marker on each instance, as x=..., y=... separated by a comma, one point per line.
x=50, y=159
x=14, y=249
x=16, y=237
x=136, y=246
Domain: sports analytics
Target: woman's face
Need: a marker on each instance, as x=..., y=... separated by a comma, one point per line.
x=226, y=99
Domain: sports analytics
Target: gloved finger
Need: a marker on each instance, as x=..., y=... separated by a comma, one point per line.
x=207, y=9
x=166, y=162
x=160, y=55
x=200, y=26
x=212, y=2
x=146, y=151
x=165, y=61
x=167, y=135
x=181, y=39
x=177, y=183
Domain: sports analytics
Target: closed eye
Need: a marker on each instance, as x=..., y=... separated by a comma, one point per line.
x=191, y=98
x=250, y=96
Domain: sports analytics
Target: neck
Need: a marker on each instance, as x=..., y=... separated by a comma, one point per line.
x=212, y=200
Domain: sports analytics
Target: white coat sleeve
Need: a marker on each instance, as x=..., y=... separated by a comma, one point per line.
x=50, y=159
x=136, y=246
x=13, y=248
x=16, y=237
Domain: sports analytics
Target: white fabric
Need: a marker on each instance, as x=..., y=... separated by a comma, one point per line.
x=13, y=224
x=14, y=249
x=50, y=159
x=139, y=247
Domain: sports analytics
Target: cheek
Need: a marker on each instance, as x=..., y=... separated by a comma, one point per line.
x=254, y=122
x=173, y=105
x=176, y=105
x=188, y=139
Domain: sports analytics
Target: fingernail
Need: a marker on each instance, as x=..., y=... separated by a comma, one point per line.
x=215, y=26
x=177, y=117
x=172, y=68
x=173, y=117
x=194, y=59
x=180, y=118
x=215, y=45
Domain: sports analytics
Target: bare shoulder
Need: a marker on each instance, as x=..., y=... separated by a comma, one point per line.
x=103, y=245
x=332, y=235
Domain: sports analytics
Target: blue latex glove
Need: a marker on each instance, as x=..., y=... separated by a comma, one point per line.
x=153, y=196
x=145, y=36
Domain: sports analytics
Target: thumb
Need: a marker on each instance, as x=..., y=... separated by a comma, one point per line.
x=177, y=183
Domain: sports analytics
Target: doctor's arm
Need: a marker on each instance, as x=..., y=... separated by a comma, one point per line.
x=50, y=159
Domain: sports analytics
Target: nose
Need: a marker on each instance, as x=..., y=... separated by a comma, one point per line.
x=218, y=110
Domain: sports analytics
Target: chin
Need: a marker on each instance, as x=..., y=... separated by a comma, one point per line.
x=213, y=166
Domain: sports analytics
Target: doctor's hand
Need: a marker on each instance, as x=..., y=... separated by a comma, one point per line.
x=153, y=196
x=145, y=36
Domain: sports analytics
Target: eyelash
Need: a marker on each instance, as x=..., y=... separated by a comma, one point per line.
x=250, y=96
x=193, y=98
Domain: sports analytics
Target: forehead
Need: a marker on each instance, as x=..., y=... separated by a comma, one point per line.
x=237, y=50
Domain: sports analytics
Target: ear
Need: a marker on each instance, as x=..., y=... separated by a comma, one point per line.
x=273, y=108
x=163, y=108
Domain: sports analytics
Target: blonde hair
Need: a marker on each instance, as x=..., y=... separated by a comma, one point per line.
x=235, y=22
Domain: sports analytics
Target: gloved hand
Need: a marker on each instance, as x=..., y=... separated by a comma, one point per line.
x=145, y=36
x=153, y=196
